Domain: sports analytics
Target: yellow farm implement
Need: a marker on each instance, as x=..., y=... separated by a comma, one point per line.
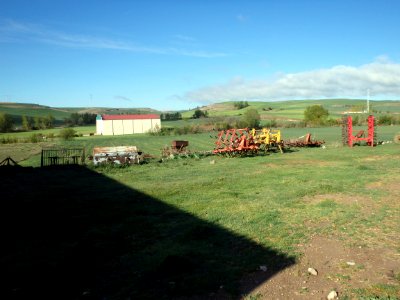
x=243, y=141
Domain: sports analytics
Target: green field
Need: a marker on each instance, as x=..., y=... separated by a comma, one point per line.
x=294, y=109
x=201, y=226
x=154, y=144
x=188, y=226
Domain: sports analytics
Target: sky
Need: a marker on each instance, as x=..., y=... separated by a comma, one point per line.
x=180, y=54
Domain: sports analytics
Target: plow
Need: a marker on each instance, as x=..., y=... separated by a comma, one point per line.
x=245, y=141
x=306, y=142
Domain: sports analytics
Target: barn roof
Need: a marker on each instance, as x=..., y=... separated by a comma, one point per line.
x=130, y=117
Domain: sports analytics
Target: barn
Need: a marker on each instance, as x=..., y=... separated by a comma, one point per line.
x=126, y=124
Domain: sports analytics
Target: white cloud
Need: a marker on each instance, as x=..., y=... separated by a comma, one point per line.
x=382, y=77
x=12, y=31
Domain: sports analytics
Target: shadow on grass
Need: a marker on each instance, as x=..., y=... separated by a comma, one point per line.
x=72, y=233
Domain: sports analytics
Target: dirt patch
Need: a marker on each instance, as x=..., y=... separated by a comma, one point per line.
x=339, y=267
x=392, y=187
x=375, y=158
x=305, y=163
x=338, y=198
x=271, y=165
x=220, y=107
x=380, y=158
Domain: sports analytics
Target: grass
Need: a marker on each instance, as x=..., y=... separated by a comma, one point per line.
x=187, y=226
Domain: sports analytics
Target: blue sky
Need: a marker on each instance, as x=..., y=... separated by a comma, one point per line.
x=172, y=55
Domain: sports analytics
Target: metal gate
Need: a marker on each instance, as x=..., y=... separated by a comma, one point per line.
x=62, y=156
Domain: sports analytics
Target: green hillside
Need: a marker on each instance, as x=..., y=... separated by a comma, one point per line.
x=17, y=110
x=290, y=110
x=294, y=109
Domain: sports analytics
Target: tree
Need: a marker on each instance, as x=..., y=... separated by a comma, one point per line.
x=6, y=122
x=77, y=119
x=315, y=115
x=27, y=123
x=48, y=122
x=198, y=113
x=171, y=116
x=38, y=124
x=251, y=118
x=240, y=104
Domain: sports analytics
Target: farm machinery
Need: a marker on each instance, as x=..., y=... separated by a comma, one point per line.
x=347, y=132
x=246, y=141
x=305, y=142
x=119, y=155
x=178, y=148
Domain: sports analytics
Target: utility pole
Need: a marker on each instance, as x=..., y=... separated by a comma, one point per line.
x=367, y=100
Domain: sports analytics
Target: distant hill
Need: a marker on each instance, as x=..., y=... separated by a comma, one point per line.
x=17, y=110
x=279, y=110
x=294, y=109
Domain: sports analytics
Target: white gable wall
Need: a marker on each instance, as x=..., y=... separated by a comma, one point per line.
x=108, y=127
x=99, y=127
x=119, y=127
x=146, y=125
x=128, y=126
x=137, y=126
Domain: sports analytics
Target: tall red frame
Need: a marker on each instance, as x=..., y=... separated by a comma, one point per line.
x=360, y=136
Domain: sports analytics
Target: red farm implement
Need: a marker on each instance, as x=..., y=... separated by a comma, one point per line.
x=245, y=141
x=350, y=139
x=235, y=141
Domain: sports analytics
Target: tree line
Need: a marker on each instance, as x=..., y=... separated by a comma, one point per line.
x=28, y=123
x=171, y=116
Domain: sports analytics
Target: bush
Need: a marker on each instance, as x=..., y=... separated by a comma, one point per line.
x=315, y=115
x=271, y=124
x=251, y=119
x=8, y=140
x=67, y=134
x=157, y=131
x=240, y=104
x=198, y=113
x=36, y=138
x=187, y=129
x=50, y=136
x=386, y=120
x=223, y=126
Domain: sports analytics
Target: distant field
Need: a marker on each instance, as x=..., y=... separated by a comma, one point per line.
x=197, y=142
x=294, y=109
